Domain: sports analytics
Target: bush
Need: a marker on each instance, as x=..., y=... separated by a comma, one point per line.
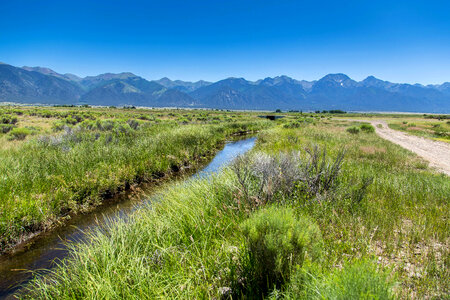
x=262, y=177
x=7, y=119
x=367, y=128
x=292, y=125
x=277, y=241
x=58, y=125
x=360, y=280
x=18, y=134
x=5, y=128
x=70, y=120
x=133, y=124
x=353, y=130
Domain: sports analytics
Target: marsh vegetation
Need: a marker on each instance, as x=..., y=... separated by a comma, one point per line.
x=314, y=211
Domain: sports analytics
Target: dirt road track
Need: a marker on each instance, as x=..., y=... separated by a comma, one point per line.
x=437, y=153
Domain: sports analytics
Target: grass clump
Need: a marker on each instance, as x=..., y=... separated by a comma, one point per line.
x=18, y=133
x=356, y=280
x=277, y=241
x=367, y=128
x=364, y=128
x=353, y=130
x=5, y=128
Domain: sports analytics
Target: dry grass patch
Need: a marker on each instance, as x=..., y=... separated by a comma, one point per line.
x=372, y=149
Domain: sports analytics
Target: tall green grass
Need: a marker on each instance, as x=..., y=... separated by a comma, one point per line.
x=197, y=239
x=50, y=176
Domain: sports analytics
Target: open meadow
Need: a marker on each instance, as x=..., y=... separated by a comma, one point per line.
x=320, y=208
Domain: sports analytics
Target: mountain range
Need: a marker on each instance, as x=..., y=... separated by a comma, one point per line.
x=38, y=85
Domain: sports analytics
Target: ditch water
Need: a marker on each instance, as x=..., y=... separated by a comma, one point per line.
x=43, y=252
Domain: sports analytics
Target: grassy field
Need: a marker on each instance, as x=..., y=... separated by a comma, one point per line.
x=312, y=212
x=437, y=129
x=58, y=161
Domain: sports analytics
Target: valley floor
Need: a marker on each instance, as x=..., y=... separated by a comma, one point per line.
x=320, y=208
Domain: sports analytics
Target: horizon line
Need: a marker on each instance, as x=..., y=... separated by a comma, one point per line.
x=229, y=77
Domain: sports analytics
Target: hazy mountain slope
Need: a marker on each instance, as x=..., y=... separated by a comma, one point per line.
x=47, y=71
x=238, y=93
x=174, y=98
x=19, y=85
x=91, y=82
x=136, y=91
x=184, y=86
x=116, y=92
x=333, y=91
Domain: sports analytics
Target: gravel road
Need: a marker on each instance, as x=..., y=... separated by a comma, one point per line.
x=437, y=153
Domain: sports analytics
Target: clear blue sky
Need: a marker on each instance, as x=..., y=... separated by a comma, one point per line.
x=400, y=41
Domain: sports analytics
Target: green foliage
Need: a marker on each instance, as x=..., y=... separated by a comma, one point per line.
x=353, y=130
x=71, y=121
x=190, y=244
x=292, y=125
x=5, y=128
x=277, y=241
x=357, y=280
x=7, y=119
x=18, y=133
x=367, y=128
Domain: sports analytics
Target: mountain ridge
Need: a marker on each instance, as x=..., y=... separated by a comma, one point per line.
x=332, y=91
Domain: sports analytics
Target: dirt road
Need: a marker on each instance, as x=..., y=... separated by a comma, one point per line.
x=437, y=153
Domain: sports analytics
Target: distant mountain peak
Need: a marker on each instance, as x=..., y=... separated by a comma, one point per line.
x=375, y=82
x=107, y=76
x=337, y=77
x=336, y=80
x=46, y=71
x=372, y=78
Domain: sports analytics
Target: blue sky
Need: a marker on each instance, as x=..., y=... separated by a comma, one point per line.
x=399, y=41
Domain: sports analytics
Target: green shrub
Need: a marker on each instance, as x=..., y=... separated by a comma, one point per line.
x=353, y=130
x=5, y=128
x=277, y=241
x=292, y=125
x=58, y=125
x=70, y=120
x=133, y=123
x=360, y=280
x=18, y=133
x=367, y=128
x=7, y=119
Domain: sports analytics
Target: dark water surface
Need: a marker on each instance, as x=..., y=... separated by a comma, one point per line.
x=41, y=253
